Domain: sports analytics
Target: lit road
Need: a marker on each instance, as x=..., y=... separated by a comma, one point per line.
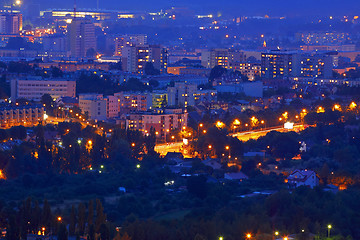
x=246, y=136
x=163, y=149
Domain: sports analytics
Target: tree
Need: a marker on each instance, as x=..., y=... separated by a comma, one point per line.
x=197, y=186
x=216, y=72
x=62, y=233
x=72, y=221
x=47, y=218
x=48, y=102
x=116, y=66
x=150, y=69
x=90, y=213
x=56, y=72
x=104, y=232
x=81, y=218
x=150, y=141
x=100, y=215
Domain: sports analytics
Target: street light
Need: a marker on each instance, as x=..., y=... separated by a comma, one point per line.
x=276, y=233
x=221, y=238
x=220, y=124
x=248, y=236
x=329, y=228
x=59, y=219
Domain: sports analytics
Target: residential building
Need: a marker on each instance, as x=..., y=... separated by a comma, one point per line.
x=81, y=34
x=251, y=89
x=134, y=58
x=10, y=22
x=159, y=99
x=33, y=88
x=312, y=65
x=14, y=115
x=163, y=121
x=112, y=107
x=302, y=178
x=94, y=105
x=182, y=94
x=323, y=37
x=251, y=70
x=227, y=58
x=186, y=94
x=277, y=64
x=129, y=40
x=134, y=102
x=183, y=70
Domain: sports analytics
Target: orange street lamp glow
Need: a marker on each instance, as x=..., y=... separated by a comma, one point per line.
x=133, y=144
x=59, y=219
x=201, y=125
x=352, y=105
x=236, y=122
x=248, y=235
x=220, y=124
x=209, y=146
x=227, y=147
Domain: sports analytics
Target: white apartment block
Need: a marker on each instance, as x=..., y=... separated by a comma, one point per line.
x=35, y=88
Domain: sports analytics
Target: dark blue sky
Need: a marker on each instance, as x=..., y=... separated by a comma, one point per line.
x=238, y=7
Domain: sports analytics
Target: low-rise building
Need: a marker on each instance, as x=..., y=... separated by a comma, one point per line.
x=34, y=88
x=303, y=178
x=134, y=101
x=94, y=105
x=163, y=121
x=14, y=115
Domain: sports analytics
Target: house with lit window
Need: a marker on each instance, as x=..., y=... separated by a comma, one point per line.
x=302, y=178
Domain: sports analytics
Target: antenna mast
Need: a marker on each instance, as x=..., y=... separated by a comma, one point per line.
x=74, y=9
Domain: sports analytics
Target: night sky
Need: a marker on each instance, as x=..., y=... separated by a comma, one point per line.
x=234, y=7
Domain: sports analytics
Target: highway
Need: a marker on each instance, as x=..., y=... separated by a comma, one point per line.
x=163, y=149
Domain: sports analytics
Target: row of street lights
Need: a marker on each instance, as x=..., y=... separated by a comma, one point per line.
x=276, y=234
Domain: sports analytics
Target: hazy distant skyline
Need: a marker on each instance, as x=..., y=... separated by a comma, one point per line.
x=234, y=7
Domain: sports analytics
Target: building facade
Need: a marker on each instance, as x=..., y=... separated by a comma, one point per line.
x=10, y=23
x=134, y=58
x=163, y=121
x=26, y=115
x=277, y=64
x=227, y=58
x=34, y=88
x=94, y=105
x=81, y=34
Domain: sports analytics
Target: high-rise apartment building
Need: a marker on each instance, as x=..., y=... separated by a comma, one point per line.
x=277, y=64
x=81, y=35
x=313, y=65
x=129, y=40
x=227, y=58
x=10, y=23
x=134, y=58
